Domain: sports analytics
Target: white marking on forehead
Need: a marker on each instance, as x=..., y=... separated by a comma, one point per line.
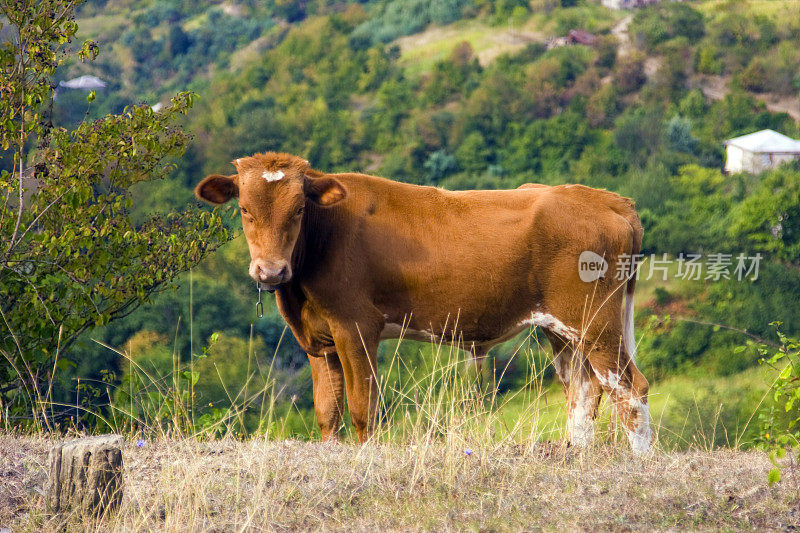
x=273, y=176
x=239, y=161
x=550, y=322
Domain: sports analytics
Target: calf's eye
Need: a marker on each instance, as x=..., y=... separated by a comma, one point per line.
x=243, y=210
x=300, y=210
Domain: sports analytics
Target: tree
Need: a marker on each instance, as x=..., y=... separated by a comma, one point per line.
x=679, y=135
x=473, y=155
x=662, y=22
x=769, y=218
x=71, y=258
x=439, y=164
x=179, y=42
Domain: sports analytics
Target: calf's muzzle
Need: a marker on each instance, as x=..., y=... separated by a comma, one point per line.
x=270, y=272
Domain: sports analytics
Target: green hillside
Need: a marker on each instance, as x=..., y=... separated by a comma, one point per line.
x=464, y=94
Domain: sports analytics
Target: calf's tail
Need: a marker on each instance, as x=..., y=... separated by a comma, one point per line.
x=628, y=338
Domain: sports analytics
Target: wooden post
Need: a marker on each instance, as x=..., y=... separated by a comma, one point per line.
x=85, y=475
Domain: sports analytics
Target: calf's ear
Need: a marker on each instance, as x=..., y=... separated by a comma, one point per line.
x=217, y=189
x=324, y=190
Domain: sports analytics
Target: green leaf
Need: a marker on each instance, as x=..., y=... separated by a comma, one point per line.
x=65, y=363
x=774, y=476
x=191, y=376
x=90, y=98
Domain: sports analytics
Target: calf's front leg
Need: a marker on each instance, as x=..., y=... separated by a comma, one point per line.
x=357, y=345
x=328, y=383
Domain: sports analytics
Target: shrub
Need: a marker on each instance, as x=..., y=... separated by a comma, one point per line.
x=706, y=60
x=693, y=104
x=473, y=155
x=781, y=423
x=629, y=73
x=657, y=24
x=636, y=135
x=754, y=77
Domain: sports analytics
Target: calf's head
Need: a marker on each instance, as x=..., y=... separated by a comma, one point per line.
x=274, y=190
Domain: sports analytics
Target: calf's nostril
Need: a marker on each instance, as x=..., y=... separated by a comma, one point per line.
x=271, y=273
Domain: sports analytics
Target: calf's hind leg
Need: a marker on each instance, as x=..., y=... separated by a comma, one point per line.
x=328, y=385
x=581, y=386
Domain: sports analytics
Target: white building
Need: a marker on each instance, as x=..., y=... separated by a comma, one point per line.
x=87, y=83
x=760, y=151
x=626, y=4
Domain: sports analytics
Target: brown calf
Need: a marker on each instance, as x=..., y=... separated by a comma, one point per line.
x=355, y=259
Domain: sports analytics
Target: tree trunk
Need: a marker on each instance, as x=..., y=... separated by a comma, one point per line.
x=85, y=475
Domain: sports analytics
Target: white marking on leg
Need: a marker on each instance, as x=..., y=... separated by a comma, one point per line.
x=273, y=176
x=580, y=424
x=562, y=368
x=395, y=331
x=611, y=382
x=639, y=436
x=550, y=322
x=639, y=418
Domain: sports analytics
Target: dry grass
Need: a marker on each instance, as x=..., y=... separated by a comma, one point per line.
x=447, y=455
x=230, y=485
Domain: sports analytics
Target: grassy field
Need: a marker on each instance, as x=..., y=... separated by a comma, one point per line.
x=444, y=457
x=775, y=9
x=179, y=484
x=419, y=52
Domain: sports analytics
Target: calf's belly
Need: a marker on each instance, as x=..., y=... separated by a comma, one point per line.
x=484, y=320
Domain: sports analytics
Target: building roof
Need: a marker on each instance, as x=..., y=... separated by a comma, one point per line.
x=84, y=82
x=766, y=142
x=581, y=37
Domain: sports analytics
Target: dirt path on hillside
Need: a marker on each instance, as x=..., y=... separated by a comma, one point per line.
x=620, y=31
x=716, y=87
x=713, y=87
x=626, y=48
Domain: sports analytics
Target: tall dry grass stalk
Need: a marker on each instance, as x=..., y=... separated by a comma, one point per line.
x=445, y=455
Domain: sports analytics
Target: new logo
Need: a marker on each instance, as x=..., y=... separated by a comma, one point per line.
x=591, y=266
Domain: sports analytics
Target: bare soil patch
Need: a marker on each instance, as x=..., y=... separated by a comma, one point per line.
x=716, y=87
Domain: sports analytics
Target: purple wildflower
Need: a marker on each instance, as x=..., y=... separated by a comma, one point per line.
x=139, y=443
x=467, y=452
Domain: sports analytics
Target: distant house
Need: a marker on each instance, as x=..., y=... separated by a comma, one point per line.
x=573, y=37
x=581, y=37
x=82, y=83
x=760, y=151
x=627, y=4
x=87, y=83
